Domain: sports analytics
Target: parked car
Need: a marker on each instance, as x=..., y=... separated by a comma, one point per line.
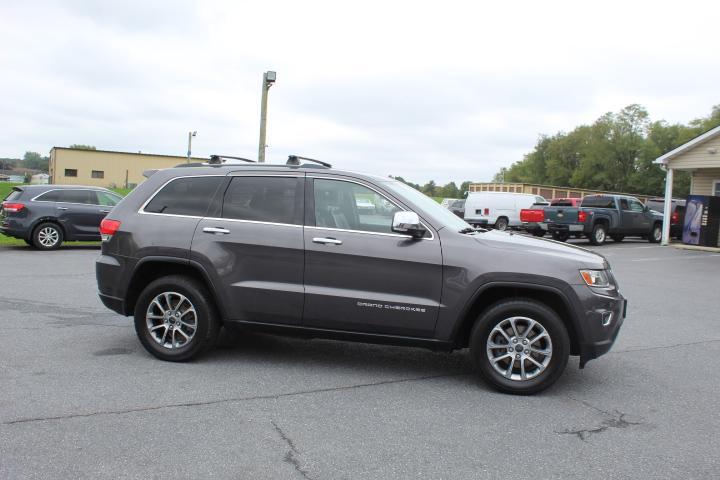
x=458, y=208
x=47, y=215
x=677, y=213
x=498, y=209
x=282, y=249
x=603, y=216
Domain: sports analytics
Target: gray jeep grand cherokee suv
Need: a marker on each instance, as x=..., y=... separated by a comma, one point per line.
x=287, y=249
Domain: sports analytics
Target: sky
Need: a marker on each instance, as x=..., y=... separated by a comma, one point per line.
x=443, y=90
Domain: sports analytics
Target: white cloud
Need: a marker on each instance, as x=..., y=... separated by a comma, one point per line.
x=445, y=90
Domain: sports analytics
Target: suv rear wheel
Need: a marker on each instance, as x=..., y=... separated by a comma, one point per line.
x=174, y=318
x=599, y=234
x=47, y=236
x=501, y=223
x=520, y=346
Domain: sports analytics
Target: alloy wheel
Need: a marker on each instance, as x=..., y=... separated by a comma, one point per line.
x=48, y=236
x=171, y=320
x=519, y=348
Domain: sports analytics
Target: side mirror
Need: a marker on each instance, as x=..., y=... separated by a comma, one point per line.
x=408, y=223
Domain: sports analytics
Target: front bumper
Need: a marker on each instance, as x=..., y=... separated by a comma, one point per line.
x=601, y=319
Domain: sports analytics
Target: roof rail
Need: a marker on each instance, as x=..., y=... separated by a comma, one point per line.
x=295, y=160
x=217, y=159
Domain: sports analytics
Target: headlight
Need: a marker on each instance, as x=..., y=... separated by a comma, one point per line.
x=595, y=278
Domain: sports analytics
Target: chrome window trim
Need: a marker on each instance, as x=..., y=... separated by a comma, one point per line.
x=363, y=184
x=142, y=211
x=35, y=198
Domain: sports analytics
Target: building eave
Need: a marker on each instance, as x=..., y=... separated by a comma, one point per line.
x=664, y=159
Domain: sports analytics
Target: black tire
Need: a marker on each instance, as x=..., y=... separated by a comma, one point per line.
x=656, y=233
x=599, y=234
x=538, y=233
x=501, y=312
x=47, y=236
x=501, y=224
x=207, y=320
x=560, y=236
x=617, y=238
x=29, y=242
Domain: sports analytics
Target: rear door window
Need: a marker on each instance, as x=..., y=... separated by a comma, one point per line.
x=190, y=196
x=264, y=199
x=85, y=197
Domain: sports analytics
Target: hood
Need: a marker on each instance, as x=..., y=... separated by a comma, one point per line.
x=514, y=243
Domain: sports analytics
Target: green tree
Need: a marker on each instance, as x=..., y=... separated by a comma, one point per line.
x=430, y=189
x=35, y=161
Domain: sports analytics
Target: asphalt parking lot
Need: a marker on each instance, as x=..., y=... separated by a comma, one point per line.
x=80, y=398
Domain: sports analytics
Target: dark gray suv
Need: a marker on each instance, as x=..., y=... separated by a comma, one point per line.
x=46, y=215
x=309, y=250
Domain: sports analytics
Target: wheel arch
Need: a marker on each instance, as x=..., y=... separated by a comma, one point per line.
x=151, y=268
x=47, y=219
x=490, y=294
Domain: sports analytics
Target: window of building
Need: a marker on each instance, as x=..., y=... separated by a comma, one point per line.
x=350, y=206
x=264, y=199
x=98, y=174
x=185, y=196
x=71, y=172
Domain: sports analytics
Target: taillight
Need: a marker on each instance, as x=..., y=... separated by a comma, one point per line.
x=13, y=207
x=582, y=216
x=108, y=228
x=532, y=215
x=675, y=218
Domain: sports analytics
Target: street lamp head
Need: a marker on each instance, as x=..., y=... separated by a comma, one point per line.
x=194, y=134
x=270, y=76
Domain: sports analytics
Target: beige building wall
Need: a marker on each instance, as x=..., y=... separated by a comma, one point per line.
x=704, y=182
x=103, y=168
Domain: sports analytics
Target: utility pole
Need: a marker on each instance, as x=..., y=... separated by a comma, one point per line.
x=268, y=80
x=190, y=135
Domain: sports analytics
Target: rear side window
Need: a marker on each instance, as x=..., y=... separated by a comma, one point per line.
x=185, y=196
x=14, y=194
x=264, y=199
x=598, y=202
x=52, y=196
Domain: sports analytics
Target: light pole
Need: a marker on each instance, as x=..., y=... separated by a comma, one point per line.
x=190, y=135
x=268, y=80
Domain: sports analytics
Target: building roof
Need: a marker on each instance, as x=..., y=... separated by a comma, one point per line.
x=715, y=132
x=183, y=157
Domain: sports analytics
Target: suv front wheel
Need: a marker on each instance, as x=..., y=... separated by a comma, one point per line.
x=520, y=346
x=175, y=319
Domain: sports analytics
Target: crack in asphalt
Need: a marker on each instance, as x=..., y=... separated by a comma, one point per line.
x=293, y=453
x=231, y=400
x=661, y=347
x=616, y=420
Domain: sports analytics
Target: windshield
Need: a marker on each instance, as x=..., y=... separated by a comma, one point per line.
x=448, y=219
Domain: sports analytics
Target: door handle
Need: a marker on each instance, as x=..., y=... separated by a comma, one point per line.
x=323, y=240
x=104, y=211
x=216, y=230
x=62, y=208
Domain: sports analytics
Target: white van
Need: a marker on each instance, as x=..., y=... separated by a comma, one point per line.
x=498, y=209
